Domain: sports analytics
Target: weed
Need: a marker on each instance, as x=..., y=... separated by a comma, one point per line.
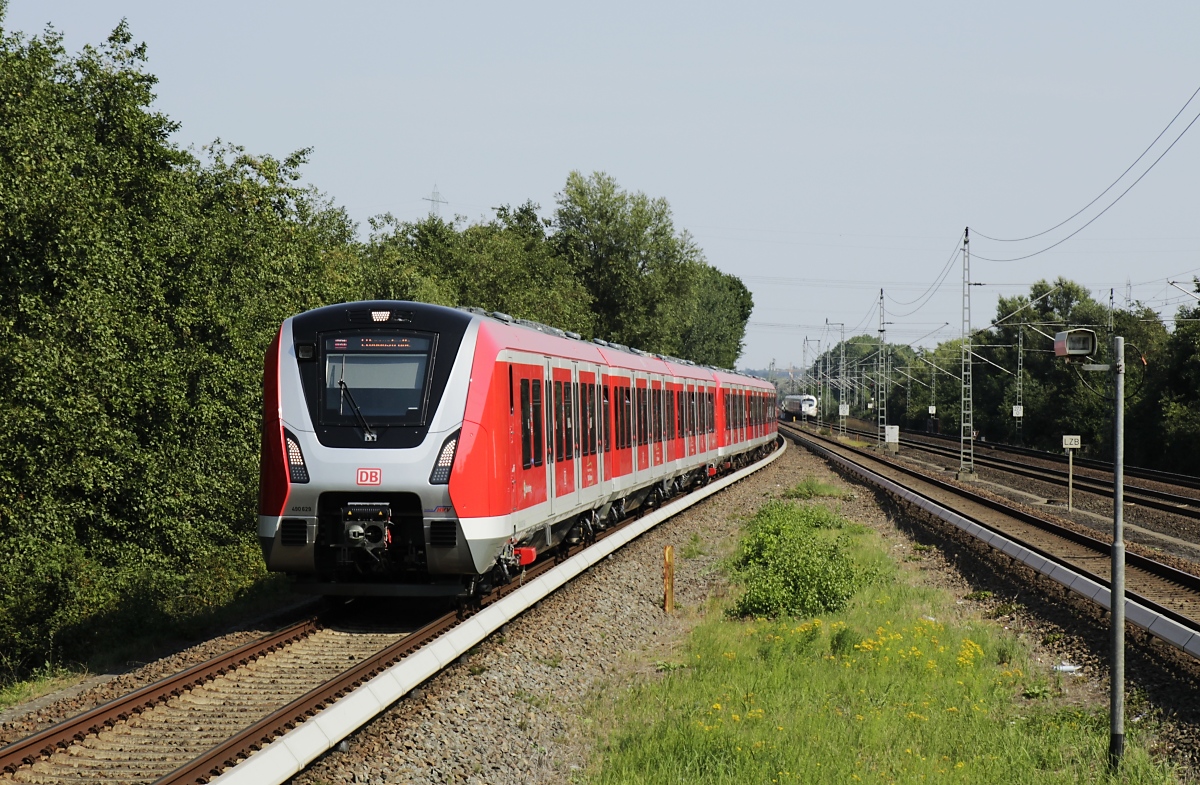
x=843, y=641
x=922, y=548
x=694, y=548
x=1036, y=692
x=477, y=670
x=1006, y=609
x=787, y=567
x=1052, y=638
x=1007, y=651
x=977, y=596
x=811, y=488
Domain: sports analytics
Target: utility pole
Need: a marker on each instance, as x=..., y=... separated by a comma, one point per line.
x=1019, y=409
x=436, y=201
x=1116, y=743
x=966, y=439
x=841, y=377
x=881, y=384
x=933, y=391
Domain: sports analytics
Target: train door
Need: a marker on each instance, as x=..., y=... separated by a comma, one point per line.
x=706, y=405
x=689, y=420
x=589, y=461
x=670, y=445
x=529, y=443
x=641, y=453
x=654, y=395
x=606, y=425
x=562, y=397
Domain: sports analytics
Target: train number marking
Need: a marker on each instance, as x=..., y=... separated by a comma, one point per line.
x=370, y=477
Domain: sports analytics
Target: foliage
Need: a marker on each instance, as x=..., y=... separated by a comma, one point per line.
x=1162, y=384
x=139, y=286
x=787, y=567
x=810, y=488
x=649, y=285
x=881, y=691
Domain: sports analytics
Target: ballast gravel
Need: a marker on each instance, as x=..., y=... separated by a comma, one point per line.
x=515, y=708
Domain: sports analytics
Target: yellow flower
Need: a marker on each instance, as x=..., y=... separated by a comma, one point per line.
x=717, y=706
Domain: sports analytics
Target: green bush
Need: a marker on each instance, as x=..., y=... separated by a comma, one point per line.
x=789, y=564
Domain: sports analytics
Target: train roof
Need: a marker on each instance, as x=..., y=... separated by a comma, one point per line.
x=534, y=336
x=506, y=331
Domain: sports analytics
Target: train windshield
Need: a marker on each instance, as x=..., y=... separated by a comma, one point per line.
x=382, y=375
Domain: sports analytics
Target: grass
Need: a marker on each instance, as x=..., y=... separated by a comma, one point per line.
x=693, y=548
x=812, y=488
x=41, y=681
x=878, y=691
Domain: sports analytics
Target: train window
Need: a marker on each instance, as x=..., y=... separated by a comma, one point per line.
x=597, y=412
x=585, y=416
x=570, y=448
x=536, y=420
x=559, y=432
x=709, y=412
x=605, y=414
x=593, y=426
x=629, y=417
x=654, y=418
x=526, y=425
x=643, y=416
x=549, y=388
x=376, y=377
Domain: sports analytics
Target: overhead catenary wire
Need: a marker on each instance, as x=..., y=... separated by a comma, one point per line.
x=1106, y=190
x=1102, y=212
x=937, y=281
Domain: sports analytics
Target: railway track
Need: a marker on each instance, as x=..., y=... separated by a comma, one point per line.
x=1186, y=505
x=997, y=450
x=1159, y=598
x=191, y=727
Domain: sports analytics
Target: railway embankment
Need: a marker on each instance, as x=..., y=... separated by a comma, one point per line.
x=545, y=700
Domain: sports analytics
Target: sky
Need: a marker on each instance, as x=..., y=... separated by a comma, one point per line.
x=820, y=151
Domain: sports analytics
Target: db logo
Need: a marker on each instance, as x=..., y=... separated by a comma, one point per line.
x=370, y=477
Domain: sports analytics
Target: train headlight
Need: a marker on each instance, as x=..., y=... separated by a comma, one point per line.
x=297, y=470
x=445, y=461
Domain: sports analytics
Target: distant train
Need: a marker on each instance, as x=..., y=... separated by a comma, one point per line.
x=417, y=450
x=795, y=407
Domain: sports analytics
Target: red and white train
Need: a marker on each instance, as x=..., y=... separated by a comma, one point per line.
x=412, y=449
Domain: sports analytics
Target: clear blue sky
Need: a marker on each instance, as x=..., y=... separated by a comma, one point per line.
x=818, y=150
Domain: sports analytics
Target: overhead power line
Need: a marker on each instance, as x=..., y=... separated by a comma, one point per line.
x=1110, y=204
x=1106, y=190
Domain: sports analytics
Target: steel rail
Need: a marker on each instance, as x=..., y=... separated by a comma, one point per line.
x=28, y=750
x=1140, y=472
x=277, y=747
x=1165, y=623
x=1165, y=501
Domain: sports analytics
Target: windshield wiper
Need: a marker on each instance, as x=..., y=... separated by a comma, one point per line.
x=368, y=433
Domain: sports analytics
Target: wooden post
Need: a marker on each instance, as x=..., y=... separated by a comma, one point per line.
x=668, y=578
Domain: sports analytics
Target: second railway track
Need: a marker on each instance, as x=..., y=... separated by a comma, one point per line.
x=1158, y=591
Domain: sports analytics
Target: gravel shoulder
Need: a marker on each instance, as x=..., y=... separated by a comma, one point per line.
x=516, y=708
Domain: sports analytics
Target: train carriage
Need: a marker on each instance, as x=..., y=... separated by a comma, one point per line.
x=411, y=449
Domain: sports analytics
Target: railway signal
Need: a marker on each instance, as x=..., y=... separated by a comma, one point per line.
x=1080, y=342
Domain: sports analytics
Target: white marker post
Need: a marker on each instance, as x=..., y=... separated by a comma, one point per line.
x=1071, y=444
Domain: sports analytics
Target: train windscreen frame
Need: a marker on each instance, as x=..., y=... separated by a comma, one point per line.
x=386, y=375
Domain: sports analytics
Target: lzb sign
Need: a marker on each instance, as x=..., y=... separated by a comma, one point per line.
x=1071, y=442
